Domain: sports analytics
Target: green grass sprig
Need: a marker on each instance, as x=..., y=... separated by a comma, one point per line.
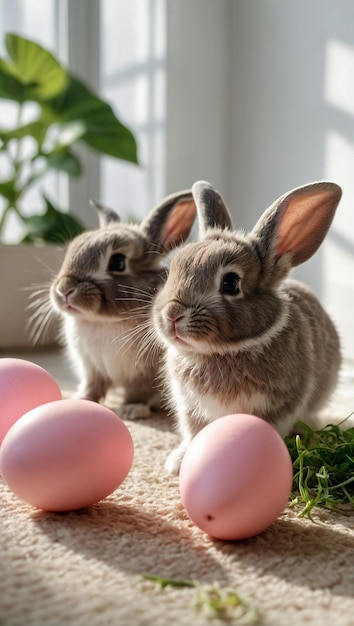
x=213, y=601
x=323, y=462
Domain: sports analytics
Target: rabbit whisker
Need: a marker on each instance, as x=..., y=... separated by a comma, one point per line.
x=133, y=335
x=133, y=289
x=38, y=324
x=135, y=313
x=143, y=322
x=149, y=348
x=48, y=271
x=132, y=300
x=37, y=299
x=156, y=250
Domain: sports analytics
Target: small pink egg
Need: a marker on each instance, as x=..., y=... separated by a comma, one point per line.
x=66, y=455
x=23, y=386
x=236, y=477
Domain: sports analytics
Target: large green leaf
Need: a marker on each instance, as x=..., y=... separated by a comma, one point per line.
x=8, y=191
x=53, y=226
x=36, y=129
x=69, y=133
x=31, y=73
x=65, y=161
x=70, y=113
x=103, y=130
x=10, y=87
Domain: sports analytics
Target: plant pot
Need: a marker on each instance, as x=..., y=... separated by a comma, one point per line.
x=24, y=269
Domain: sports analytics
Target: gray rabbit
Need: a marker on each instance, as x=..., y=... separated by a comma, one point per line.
x=237, y=336
x=103, y=294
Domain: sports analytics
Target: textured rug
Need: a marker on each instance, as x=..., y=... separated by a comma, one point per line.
x=85, y=568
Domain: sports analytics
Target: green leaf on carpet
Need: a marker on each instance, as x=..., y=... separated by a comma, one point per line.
x=169, y=582
x=215, y=602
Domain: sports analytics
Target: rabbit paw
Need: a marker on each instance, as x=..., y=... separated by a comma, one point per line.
x=134, y=411
x=174, y=460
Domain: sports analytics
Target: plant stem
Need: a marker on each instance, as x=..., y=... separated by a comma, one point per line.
x=16, y=162
x=33, y=177
x=3, y=217
x=18, y=166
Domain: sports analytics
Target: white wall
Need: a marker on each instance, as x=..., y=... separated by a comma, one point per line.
x=292, y=122
x=198, y=92
x=133, y=79
x=260, y=99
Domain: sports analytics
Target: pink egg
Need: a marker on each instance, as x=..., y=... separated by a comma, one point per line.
x=236, y=477
x=66, y=455
x=23, y=386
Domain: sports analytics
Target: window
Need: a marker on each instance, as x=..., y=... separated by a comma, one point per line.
x=33, y=19
x=119, y=49
x=133, y=76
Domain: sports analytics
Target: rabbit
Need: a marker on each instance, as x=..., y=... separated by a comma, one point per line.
x=237, y=336
x=103, y=295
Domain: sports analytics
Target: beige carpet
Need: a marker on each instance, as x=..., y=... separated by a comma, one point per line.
x=84, y=568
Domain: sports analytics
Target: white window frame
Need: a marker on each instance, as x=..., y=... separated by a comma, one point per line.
x=78, y=47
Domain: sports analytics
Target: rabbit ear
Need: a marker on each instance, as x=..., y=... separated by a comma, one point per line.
x=212, y=211
x=171, y=221
x=297, y=223
x=106, y=216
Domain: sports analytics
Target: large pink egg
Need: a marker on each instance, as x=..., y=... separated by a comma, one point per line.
x=236, y=477
x=66, y=455
x=23, y=386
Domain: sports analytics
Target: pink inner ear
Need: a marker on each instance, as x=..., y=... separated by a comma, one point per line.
x=304, y=223
x=179, y=224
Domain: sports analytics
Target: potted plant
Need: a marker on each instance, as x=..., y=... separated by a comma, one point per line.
x=66, y=113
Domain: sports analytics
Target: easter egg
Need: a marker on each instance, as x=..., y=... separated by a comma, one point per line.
x=66, y=455
x=23, y=386
x=236, y=477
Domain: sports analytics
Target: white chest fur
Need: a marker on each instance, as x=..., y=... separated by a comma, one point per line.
x=107, y=346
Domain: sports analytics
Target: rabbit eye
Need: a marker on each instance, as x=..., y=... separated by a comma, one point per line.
x=230, y=283
x=116, y=263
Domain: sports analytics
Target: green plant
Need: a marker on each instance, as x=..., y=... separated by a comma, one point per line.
x=323, y=462
x=67, y=113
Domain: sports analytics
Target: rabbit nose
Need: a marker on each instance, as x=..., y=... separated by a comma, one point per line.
x=174, y=317
x=175, y=327
x=64, y=292
x=173, y=311
x=175, y=320
x=68, y=294
x=66, y=285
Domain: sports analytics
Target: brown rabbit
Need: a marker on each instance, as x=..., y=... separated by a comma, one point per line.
x=237, y=337
x=103, y=294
